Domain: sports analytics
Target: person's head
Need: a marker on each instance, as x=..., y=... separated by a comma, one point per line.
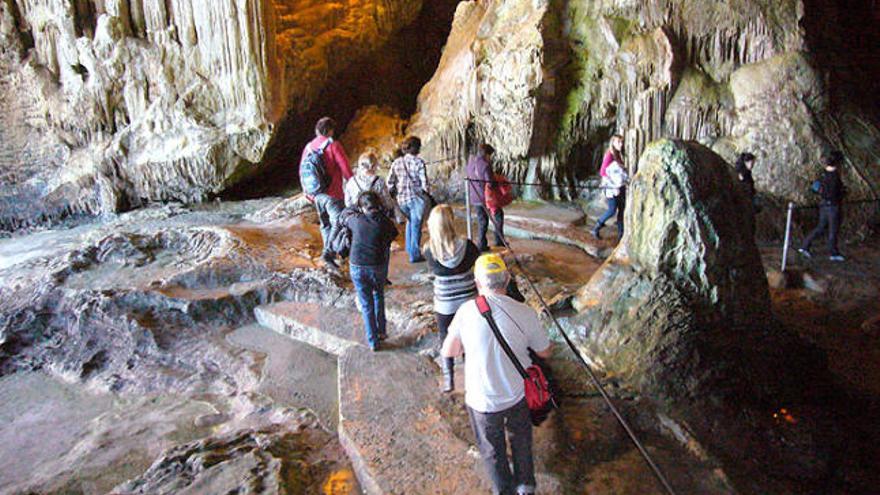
x=486, y=151
x=491, y=274
x=412, y=145
x=326, y=127
x=833, y=160
x=745, y=161
x=616, y=143
x=369, y=202
x=441, y=229
x=368, y=163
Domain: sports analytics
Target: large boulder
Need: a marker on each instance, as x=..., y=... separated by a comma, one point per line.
x=685, y=278
x=680, y=313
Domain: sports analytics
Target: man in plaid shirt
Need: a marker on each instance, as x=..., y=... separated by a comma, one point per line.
x=409, y=177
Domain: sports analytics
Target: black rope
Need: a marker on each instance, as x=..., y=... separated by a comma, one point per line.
x=539, y=184
x=632, y=436
x=809, y=207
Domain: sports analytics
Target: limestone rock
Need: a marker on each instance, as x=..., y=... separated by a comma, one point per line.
x=105, y=106
x=547, y=83
x=687, y=263
x=378, y=128
x=680, y=312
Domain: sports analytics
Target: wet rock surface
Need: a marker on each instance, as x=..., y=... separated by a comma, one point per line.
x=680, y=313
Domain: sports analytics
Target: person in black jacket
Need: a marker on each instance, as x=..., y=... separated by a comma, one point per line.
x=832, y=191
x=744, y=164
x=371, y=235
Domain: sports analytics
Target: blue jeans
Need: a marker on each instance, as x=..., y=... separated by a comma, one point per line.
x=329, y=209
x=415, y=214
x=369, y=284
x=615, y=206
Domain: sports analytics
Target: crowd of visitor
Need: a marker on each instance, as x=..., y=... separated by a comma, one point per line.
x=357, y=217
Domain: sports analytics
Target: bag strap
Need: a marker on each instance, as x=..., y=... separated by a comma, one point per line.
x=486, y=311
x=406, y=170
x=323, y=147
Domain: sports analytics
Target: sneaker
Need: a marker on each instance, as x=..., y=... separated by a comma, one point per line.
x=595, y=233
x=805, y=253
x=836, y=257
x=375, y=347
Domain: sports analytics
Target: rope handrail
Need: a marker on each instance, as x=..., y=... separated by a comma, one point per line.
x=593, y=378
x=539, y=184
x=857, y=202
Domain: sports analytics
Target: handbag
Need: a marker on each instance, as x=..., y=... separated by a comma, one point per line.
x=538, y=396
x=422, y=194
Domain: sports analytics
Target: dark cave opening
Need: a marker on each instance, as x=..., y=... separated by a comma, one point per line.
x=844, y=38
x=392, y=77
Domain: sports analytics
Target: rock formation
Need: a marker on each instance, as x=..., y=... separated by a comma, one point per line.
x=110, y=105
x=680, y=312
x=548, y=82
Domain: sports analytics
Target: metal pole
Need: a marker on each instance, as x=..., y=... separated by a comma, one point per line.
x=785, y=245
x=467, y=208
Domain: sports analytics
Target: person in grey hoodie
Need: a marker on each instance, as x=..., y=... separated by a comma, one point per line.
x=451, y=260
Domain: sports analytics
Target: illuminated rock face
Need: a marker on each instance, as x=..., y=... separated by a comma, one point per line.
x=106, y=106
x=548, y=82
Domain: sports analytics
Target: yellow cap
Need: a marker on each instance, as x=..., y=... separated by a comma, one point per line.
x=489, y=263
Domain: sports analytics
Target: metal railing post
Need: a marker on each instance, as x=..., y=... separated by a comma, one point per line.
x=787, y=242
x=467, y=208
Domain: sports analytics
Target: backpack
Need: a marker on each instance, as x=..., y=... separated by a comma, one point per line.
x=816, y=187
x=500, y=196
x=313, y=171
x=340, y=237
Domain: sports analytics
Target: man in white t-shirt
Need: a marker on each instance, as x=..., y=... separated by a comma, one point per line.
x=494, y=391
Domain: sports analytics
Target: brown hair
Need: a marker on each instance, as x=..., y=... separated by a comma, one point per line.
x=325, y=126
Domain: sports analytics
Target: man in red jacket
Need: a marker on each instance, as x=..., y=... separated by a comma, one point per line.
x=331, y=202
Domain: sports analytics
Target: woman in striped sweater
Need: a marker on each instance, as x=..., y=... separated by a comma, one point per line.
x=451, y=259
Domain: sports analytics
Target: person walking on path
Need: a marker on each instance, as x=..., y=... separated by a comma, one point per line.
x=832, y=191
x=451, y=259
x=409, y=178
x=479, y=173
x=329, y=203
x=494, y=391
x=614, y=188
x=614, y=153
x=367, y=180
x=371, y=235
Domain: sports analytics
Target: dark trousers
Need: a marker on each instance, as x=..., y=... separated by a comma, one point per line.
x=829, y=219
x=615, y=205
x=489, y=428
x=329, y=209
x=483, y=227
x=369, y=284
x=443, y=322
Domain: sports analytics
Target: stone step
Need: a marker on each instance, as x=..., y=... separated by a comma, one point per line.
x=401, y=435
x=333, y=330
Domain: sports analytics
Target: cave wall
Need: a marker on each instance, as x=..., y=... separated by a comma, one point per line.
x=110, y=104
x=548, y=82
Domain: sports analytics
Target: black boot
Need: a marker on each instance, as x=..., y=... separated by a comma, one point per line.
x=448, y=375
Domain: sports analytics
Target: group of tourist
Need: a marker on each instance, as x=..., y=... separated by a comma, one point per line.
x=363, y=204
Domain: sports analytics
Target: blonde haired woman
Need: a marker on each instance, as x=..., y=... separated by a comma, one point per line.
x=451, y=258
x=366, y=180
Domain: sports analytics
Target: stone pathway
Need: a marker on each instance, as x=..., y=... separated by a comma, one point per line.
x=549, y=222
x=405, y=437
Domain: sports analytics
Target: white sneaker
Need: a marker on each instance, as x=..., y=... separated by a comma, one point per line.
x=837, y=257
x=805, y=253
